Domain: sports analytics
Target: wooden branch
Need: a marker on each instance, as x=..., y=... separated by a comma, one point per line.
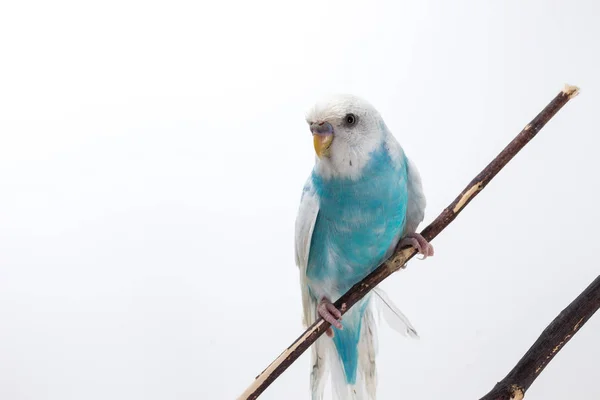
x=401, y=256
x=550, y=342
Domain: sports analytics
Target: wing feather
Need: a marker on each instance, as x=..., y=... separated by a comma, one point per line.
x=415, y=208
x=305, y=224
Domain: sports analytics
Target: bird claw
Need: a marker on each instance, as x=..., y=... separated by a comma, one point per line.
x=419, y=243
x=329, y=313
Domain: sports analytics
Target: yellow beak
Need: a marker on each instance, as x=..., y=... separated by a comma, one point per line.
x=322, y=144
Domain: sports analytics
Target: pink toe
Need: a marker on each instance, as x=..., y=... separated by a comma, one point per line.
x=331, y=308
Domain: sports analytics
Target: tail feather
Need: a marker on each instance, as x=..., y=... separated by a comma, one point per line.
x=347, y=340
x=368, y=351
x=319, y=367
x=350, y=355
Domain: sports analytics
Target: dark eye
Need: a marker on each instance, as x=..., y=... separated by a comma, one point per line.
x=350, y=119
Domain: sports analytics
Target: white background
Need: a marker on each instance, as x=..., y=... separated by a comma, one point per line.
x=152, y=157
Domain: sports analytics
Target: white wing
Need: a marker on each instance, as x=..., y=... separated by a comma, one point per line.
x=415, y=209
x=305, y=224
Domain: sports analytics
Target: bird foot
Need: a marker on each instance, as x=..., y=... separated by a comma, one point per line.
x=419, y=243
x=329, y=313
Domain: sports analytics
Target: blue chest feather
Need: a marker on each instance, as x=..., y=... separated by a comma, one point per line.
x=357, y=223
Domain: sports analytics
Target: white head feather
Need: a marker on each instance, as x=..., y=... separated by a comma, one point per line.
x=352, y=144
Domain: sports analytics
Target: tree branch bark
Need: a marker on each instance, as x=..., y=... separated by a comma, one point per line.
x=401, y=256
x=550, y=342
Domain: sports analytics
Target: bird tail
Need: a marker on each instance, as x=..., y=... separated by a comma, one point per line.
x=350, y=355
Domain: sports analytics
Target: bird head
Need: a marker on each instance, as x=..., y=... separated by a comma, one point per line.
x=345, y=130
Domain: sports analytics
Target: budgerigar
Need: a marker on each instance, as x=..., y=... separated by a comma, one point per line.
x=362, y=199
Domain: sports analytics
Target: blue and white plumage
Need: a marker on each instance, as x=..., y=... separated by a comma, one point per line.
x=362, y=197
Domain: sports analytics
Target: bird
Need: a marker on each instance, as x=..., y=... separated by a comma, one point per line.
x=362, y=200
